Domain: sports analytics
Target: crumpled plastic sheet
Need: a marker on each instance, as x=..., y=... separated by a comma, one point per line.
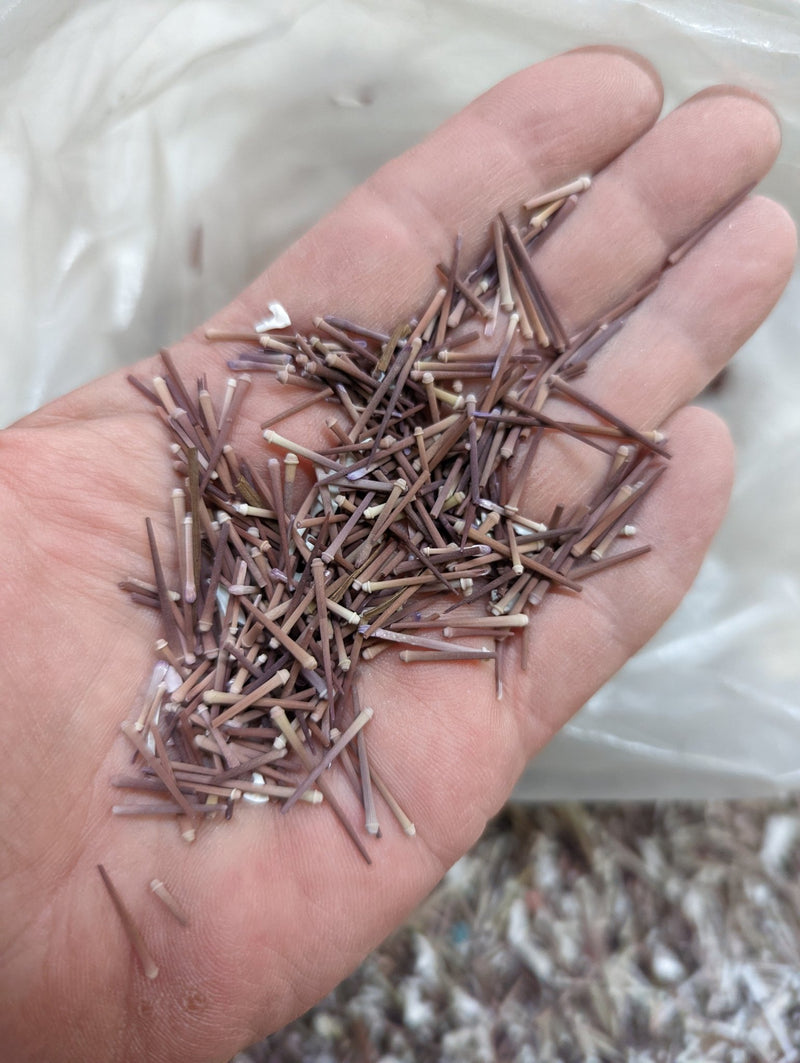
x=155, y=156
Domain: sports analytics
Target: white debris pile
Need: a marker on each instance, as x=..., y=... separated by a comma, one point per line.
x=627, y=932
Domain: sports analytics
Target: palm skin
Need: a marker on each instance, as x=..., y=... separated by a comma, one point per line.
x=282, y=908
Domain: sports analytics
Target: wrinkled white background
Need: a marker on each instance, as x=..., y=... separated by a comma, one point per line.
x=128, y=129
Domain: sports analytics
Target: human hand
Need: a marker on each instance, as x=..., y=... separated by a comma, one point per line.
x=282, y=908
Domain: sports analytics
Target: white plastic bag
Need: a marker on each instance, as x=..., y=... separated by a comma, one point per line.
x=155, y=156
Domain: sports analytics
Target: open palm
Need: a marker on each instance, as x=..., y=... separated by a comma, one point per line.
x=281, y=908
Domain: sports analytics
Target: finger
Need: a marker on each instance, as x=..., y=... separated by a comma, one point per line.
x=372, y=257
x=537, y=129
x=704, y=309
x=677, y=340
x=651, y=199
